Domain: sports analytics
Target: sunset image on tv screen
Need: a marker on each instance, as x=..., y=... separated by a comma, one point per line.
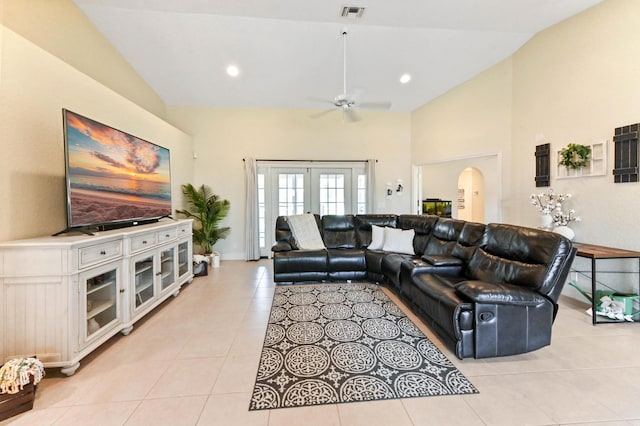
x=114, y=176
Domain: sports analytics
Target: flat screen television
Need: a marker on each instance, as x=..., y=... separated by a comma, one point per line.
x=113, y=179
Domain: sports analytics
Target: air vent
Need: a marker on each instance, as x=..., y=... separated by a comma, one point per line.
x=352, y=12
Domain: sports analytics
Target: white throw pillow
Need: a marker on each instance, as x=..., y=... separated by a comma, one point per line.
x=398, y=240
x=377, y=238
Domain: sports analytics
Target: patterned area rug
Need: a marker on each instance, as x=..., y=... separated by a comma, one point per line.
x=331, y=343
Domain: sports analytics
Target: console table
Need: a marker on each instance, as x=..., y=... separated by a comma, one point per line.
x=62, y=297
x=595, y=253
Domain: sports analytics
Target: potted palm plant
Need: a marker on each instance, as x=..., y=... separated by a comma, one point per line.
x=207, y=210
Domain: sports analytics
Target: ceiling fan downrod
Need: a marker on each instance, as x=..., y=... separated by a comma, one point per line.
x=344, y=62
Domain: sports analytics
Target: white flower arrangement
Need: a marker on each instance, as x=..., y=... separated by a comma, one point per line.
x=16, y=373
x=551, y=203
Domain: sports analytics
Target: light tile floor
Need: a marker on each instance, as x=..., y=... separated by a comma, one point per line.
x=193, y=362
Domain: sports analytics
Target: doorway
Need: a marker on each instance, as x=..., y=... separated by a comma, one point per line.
x=440, y=179
x=470, y=200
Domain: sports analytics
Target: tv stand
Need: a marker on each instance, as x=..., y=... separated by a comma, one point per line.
x=64, y=297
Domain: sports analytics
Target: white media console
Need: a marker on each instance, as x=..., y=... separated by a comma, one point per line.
x=62, y=297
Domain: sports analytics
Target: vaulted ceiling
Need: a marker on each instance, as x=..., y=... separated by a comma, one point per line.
x=290, y=52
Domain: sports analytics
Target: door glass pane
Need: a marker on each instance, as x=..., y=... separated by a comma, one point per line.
x=262, y=226
x=183, y=258
x=362, y=194
x=167, y=268
x=332, y=193
x=144, y=277
x=101, y=300
x=291, y=194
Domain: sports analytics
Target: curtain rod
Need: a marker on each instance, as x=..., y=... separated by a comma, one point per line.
x=314, y=161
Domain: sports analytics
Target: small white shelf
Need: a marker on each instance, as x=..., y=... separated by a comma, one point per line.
x=95, y=288
x=140, y=289
x=99, y=308
x=597, y=165
x=143, y=267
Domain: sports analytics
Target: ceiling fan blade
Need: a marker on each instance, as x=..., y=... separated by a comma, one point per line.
x=375, y=105
x=351, y=115
x=319, y=99
x=322, y=113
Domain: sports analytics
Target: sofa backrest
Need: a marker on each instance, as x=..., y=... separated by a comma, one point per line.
x=339, y=231
x=363, y=224
x=444, y=237
x=529, y=257
x=470, y=237
x=423, y=225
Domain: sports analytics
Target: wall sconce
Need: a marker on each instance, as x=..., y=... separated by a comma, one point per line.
x=399, y=187
x=389, y=190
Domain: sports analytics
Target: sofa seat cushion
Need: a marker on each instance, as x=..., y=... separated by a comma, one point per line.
x=300, y=261
x=391, y=266
x=499, y=293
x=373, y=259
x=346, y=260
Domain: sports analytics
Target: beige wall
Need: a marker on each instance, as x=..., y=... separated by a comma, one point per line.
x=34, y=87
x=61, y=29
x=574, y=82
x=467, y=127
x=224, y=136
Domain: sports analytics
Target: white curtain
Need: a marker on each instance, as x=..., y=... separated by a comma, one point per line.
x=252, y=243
x=371, y=185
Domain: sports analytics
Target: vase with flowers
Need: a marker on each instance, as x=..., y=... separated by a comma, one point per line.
x=554, y=217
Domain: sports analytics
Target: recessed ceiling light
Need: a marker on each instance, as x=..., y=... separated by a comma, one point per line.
x=233, y=71
x=405, y=78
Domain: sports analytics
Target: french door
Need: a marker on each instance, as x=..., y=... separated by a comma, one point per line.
x=321, y=189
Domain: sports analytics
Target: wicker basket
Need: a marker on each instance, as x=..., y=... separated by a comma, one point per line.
x=16, y=403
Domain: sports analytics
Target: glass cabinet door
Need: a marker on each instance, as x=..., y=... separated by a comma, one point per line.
x=144, y=280
x=167, y=268
x=183, y=258
x=101, y=300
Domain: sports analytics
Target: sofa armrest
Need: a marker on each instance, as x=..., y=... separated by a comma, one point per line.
x=442, y=260
x=281, y=246
x=499, y=293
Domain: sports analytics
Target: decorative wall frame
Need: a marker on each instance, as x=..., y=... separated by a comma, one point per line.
x=543, y=165
x=596, y=166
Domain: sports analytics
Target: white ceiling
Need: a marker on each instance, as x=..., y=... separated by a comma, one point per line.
x=290, y=51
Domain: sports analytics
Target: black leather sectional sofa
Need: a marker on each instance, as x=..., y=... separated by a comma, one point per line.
x=486, y=290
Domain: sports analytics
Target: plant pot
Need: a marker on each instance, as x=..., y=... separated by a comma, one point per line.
x=17, y=403
x=546, y=221
x=215, y=259
x=565, y=231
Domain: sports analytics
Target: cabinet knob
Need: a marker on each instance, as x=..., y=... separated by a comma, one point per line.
x=102, y=252
x=122, y=290
x=167, y=235
x=144, y=242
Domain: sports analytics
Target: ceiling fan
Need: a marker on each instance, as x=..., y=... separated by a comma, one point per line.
x=348, y=102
